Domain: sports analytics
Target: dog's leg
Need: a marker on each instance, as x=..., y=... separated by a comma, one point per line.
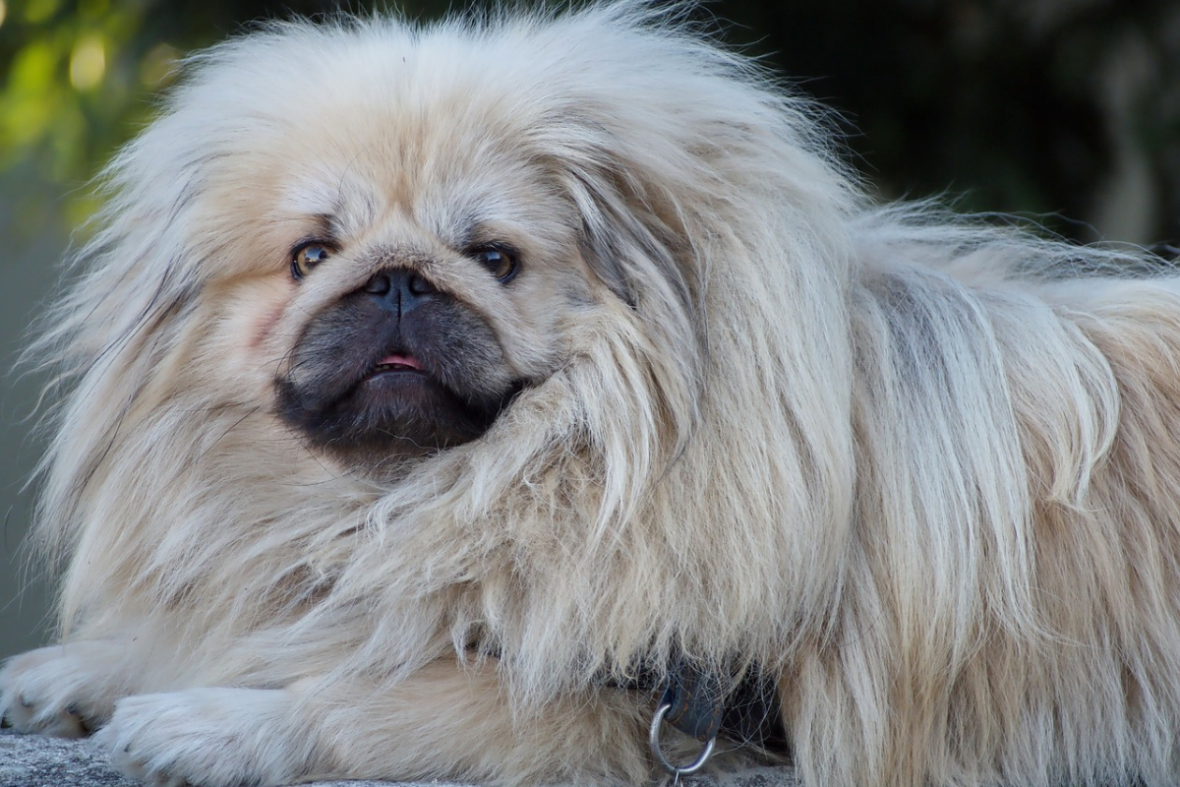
x=66, y=690
x=444, y=722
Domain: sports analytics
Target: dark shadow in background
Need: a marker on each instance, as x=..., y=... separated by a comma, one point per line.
x=28, y=272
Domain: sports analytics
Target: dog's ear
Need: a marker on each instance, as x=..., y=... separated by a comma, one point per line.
x=636, y=242
x=633, y=245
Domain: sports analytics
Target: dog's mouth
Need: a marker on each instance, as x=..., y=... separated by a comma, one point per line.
x=367, y=386
x=397, y=362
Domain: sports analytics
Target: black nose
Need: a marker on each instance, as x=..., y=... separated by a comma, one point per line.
x=399, y=290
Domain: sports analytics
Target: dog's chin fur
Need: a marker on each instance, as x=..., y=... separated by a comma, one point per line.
x=924, y=471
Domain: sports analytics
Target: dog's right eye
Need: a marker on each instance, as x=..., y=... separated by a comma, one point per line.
x=307, y=257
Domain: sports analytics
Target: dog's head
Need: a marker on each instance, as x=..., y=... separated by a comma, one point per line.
x=424, y=278
x=383, y=241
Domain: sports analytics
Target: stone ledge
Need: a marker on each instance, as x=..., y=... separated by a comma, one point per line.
x=37, y=761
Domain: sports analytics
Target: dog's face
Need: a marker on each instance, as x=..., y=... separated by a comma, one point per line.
x=403, y=281
x=399, y=363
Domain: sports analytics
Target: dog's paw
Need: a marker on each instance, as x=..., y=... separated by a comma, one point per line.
x=65, y=690
x=211, y=737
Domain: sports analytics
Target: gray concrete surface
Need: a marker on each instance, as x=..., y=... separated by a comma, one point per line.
x=36, y=761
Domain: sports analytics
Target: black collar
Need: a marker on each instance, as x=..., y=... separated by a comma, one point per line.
x=748, y=714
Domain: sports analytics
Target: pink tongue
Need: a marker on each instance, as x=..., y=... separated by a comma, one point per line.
x=401, y=360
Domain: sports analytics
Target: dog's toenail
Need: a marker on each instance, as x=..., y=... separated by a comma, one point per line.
x=72, y=709
x=25, y=702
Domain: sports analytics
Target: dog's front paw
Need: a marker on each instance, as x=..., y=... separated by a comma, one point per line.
x=66, y=690
x=206, y=737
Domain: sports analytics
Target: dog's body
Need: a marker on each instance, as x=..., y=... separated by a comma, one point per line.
x=650, y=379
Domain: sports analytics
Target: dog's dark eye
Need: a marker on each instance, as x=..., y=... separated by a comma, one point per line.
x=499, y=261
x=307, y=257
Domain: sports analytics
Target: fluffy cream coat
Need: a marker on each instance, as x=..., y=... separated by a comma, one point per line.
x=924, y=470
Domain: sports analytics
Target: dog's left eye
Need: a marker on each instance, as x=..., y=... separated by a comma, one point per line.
x=499, y=261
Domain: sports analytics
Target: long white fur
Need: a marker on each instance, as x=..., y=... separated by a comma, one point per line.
x=924, y=469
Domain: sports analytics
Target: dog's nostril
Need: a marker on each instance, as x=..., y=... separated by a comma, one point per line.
x=418, y=286
x=378, y=285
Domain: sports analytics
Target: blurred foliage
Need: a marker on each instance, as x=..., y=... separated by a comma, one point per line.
x=79, y=76
x=1043, y=106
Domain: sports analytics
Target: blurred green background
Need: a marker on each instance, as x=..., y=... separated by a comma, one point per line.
x=1065, y=110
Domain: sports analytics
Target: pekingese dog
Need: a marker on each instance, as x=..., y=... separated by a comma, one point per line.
x=539, y=400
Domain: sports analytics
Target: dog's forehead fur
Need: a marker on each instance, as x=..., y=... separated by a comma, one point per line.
x=377, y=121
x=376, y=152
